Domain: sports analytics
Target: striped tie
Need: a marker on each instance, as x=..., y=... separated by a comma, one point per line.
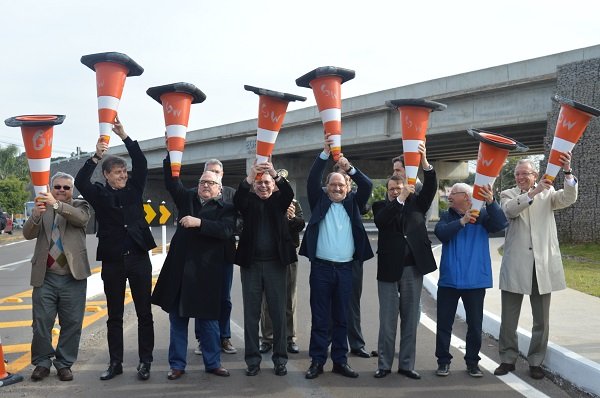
x=56, y=253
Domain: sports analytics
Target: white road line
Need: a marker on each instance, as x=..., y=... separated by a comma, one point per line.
x=14, y=243
x=488, y=364
x=15, y=263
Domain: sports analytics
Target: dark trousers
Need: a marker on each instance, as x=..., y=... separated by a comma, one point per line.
x=355, y=337
x=225, y=317
x=64, y=296
x=330, y=290
x=209, y=334
x=447, y=301
x=269, y=277
x=138, y=270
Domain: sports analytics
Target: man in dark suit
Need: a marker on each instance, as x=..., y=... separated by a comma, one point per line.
x=404, y=255
x=335, y=237
x=190, y=282
x=264, y=253
x=124, y=240
x=59, y=269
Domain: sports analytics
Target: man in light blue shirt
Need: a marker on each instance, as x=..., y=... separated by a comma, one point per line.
x=334, y=238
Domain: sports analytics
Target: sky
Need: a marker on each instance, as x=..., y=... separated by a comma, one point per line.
x=220, y=45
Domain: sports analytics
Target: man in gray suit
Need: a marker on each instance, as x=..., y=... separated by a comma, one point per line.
x=59, y=271
x=532, y=262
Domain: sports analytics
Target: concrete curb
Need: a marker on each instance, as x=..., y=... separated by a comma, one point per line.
x=567, y=364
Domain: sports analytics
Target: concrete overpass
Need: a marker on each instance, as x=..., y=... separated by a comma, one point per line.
x=512, y=99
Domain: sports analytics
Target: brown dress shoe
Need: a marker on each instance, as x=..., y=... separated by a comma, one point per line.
x=175, y=374
x=220, y=371
x=65, y=374
x=536, y=372
x=39, y=373
x=504, y=368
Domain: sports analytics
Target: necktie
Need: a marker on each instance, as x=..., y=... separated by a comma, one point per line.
x=56, y=252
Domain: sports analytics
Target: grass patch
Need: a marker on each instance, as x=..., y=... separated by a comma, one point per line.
x=582, y=267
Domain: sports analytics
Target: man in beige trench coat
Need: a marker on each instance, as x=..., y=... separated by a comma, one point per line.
x=532, y=262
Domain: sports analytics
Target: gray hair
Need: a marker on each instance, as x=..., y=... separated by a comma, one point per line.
x=60, y=174
x=529, y=162
x=463, y=187
x=213, y=161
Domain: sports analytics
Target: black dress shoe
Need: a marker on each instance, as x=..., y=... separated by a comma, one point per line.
x=113, y=370
x=175, y=374
x=143, y=370
x=314, y=370
x=504, y=368
x=344, y=369
x=411, y=374
x=280, y=370
x=220, y=371
x=39, y=373
x=265, y=347
x=292, y=347
x=381, y=373
x=252, y=370
x=361, y=352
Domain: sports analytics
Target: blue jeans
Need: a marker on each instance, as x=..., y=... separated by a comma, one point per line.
x=209, y=334
x=225, y=317
x=447, y=301
x=330, y=290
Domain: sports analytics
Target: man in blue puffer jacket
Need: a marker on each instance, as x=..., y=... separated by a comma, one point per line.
x=465, y=271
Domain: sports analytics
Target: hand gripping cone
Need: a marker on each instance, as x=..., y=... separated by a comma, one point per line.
x=414, y=120
x=573, y=119
x=111, y=70
x=272, y=106
x=5, y=377
x=176, y=99
x=493, y=151
x=37, y=132
x=326, y=84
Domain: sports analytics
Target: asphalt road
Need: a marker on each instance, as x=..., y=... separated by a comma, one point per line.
x=93, y=357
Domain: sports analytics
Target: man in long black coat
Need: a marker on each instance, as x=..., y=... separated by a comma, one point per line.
x=189, y=284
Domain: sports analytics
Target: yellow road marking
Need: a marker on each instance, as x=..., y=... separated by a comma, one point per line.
x=15, y=307
x=12, y=300
x=15, y=324
x=24, y=360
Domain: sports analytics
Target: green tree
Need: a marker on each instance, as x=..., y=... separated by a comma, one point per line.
x=13, y=193
x=13, y=164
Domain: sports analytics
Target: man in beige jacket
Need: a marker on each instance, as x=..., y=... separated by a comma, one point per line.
x=59, y=272
x=532, y=262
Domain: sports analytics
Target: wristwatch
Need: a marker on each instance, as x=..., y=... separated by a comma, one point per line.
x=55, y=205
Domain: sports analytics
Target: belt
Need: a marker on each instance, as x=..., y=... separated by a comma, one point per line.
x=332, y=263
x=132, y=253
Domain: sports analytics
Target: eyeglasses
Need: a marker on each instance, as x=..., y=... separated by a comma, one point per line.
x=526, y=174
x=64, y=187
x=456, y=193
x=262, y=182
x=207, y=183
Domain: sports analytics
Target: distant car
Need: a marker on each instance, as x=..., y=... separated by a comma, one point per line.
x=3, y=221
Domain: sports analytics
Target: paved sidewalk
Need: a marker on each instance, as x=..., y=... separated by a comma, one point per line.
x=574, y=348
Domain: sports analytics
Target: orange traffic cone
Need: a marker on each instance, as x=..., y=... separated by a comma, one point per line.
x=493, y=151
x=37, y=137
x=414, y=119
x=272, y=106
x=111, y=70
x=573, y=119
x=5, y=377
x=326, y=84
x=176, y=99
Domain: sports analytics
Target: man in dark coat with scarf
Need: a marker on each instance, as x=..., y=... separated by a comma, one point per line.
x=189, y=284
x=404, y=255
